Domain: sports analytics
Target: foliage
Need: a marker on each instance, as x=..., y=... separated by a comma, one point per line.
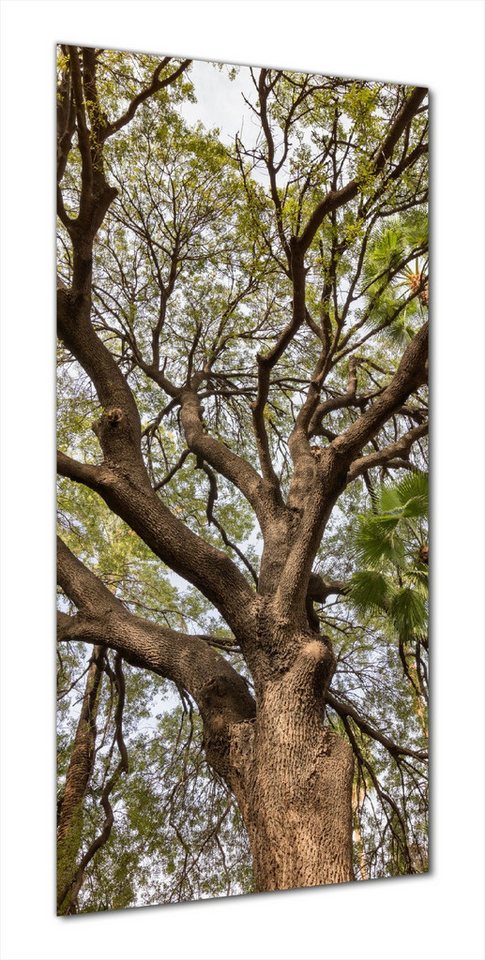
x=194, y=288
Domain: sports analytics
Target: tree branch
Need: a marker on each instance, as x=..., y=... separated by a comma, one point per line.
x=263, y=91
x=119, y=430
x=187, y=660
x=154, y=87
x=386, y=456
x=336, y=198
x=260, y=494
x=89, y=474
x=320, y=474
x=213, y=494
x=206, y=567
x=267, y=361
x=410, y=375
x=345, y=709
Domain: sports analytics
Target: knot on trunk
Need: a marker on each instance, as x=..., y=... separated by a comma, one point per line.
x=313, y=668
x=114, y=416
x=115, y=433
x=317, y=452
x=110, y=420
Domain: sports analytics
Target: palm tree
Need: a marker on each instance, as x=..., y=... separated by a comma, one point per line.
x=391, y=581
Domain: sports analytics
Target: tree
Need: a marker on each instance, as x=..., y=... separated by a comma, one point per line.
x=392, y=540
x=246, y=324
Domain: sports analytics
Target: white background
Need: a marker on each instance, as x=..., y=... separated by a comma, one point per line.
x=438, y=917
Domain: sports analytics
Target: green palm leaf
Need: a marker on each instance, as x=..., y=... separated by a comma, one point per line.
x=377, y=540
x=408, y=612
x=389, y=499
x=370, y=591
x=412, y=492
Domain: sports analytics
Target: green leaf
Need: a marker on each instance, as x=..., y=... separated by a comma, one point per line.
x=389, y=499
x=377, y=540
x=409, y=613
x=412, y=491
x=370, y=591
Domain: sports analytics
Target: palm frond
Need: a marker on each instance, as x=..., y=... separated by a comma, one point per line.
x=370, y=591
x=409, y=612
x=412, y=491
x=377, y=540
x=419, y=579
x=389, y=499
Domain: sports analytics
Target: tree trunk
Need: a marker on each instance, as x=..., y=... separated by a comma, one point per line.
x=292, y=776
x=358, y=796
x=69, y=830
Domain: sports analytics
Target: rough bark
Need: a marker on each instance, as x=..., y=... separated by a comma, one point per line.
x=190, y=661
x=291, y=775
x=293, y=779
x=70, y=812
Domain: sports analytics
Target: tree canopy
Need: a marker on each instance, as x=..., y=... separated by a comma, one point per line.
x=242, y=426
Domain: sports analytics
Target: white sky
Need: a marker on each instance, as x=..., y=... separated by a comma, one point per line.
x=220, y=100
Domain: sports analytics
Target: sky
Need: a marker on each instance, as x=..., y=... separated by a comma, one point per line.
x=220, y=100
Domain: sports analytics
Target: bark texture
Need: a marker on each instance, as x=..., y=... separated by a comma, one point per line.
x=291, y=774
x=70, y=808
x=293, y=779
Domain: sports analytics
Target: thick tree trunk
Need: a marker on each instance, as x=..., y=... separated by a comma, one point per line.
x=293, y=779
x=291, y=774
